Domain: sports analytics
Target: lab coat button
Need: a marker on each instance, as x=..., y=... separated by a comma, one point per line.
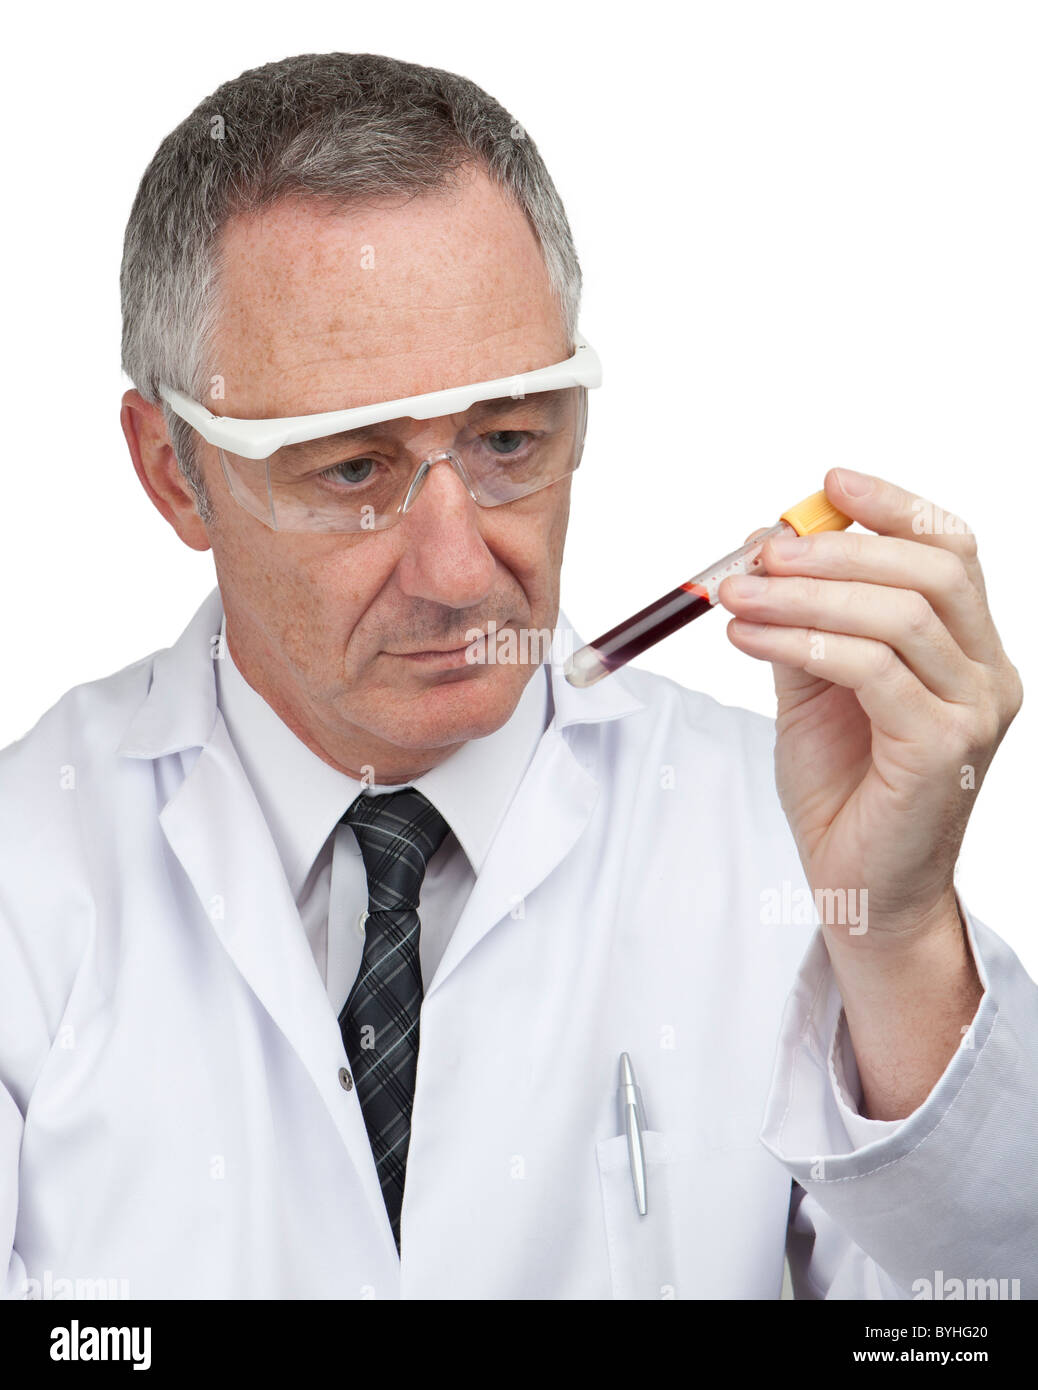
x=345, y=1079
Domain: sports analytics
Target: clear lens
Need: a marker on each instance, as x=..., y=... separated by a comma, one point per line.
x=358, y=481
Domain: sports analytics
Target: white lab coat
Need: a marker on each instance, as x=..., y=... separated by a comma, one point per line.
x=172, y=1117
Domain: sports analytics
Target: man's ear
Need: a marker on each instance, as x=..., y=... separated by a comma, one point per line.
x=153, y=458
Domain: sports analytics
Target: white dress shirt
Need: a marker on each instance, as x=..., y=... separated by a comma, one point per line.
x=303, y=799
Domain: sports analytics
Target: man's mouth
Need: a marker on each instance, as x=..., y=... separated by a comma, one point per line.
x=446, y=658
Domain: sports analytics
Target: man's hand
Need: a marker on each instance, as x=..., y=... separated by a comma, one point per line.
x=894, y=692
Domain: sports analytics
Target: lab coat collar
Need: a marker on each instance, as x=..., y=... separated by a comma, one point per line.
x=608, y=699
x=179, y=710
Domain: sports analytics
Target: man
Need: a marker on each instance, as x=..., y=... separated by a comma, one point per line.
x=243, y=877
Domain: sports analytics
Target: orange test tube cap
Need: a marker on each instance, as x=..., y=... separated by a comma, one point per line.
x=815, y=513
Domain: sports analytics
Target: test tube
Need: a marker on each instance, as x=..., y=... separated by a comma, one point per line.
x=698, y=595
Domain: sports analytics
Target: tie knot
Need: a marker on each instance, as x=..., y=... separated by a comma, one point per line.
x=398, y=834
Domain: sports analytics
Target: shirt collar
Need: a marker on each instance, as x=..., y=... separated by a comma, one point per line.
x=302, y=797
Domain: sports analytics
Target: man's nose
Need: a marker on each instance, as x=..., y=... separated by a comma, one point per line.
x=445, y=557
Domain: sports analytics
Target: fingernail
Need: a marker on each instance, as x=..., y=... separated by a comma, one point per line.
x=854, y=484
x=788, y=547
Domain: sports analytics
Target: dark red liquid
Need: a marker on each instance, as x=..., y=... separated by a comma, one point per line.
x=631, y=637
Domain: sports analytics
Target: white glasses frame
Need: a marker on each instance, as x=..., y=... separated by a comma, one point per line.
x=258, y=439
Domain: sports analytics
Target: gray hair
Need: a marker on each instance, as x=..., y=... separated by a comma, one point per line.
x=339, y=127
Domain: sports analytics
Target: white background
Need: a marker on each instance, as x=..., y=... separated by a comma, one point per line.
x=809, y=236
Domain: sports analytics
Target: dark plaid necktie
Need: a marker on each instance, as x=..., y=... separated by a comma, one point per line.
x=398, y=834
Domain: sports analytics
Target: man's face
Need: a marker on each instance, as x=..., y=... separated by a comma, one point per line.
x=326, y=310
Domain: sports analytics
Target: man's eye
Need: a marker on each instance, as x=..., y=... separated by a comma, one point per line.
x=506, y=441
x=351, y=471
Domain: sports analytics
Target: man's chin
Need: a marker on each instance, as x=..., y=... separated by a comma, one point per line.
x=452, y=708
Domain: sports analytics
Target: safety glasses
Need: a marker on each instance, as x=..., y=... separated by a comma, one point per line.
x=362, y=469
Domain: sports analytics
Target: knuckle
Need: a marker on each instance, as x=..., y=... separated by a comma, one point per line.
x=1014, y=696
x=811, y=590
x=956, y=575
x=918, y=615
x=967, y=544
x=885, y=661
x=975, y=732
x=958, y=741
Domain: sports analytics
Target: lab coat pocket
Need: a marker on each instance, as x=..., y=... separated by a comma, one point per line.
x=642, y=1254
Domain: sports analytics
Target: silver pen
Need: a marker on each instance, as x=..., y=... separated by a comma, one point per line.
x=632, y=1118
